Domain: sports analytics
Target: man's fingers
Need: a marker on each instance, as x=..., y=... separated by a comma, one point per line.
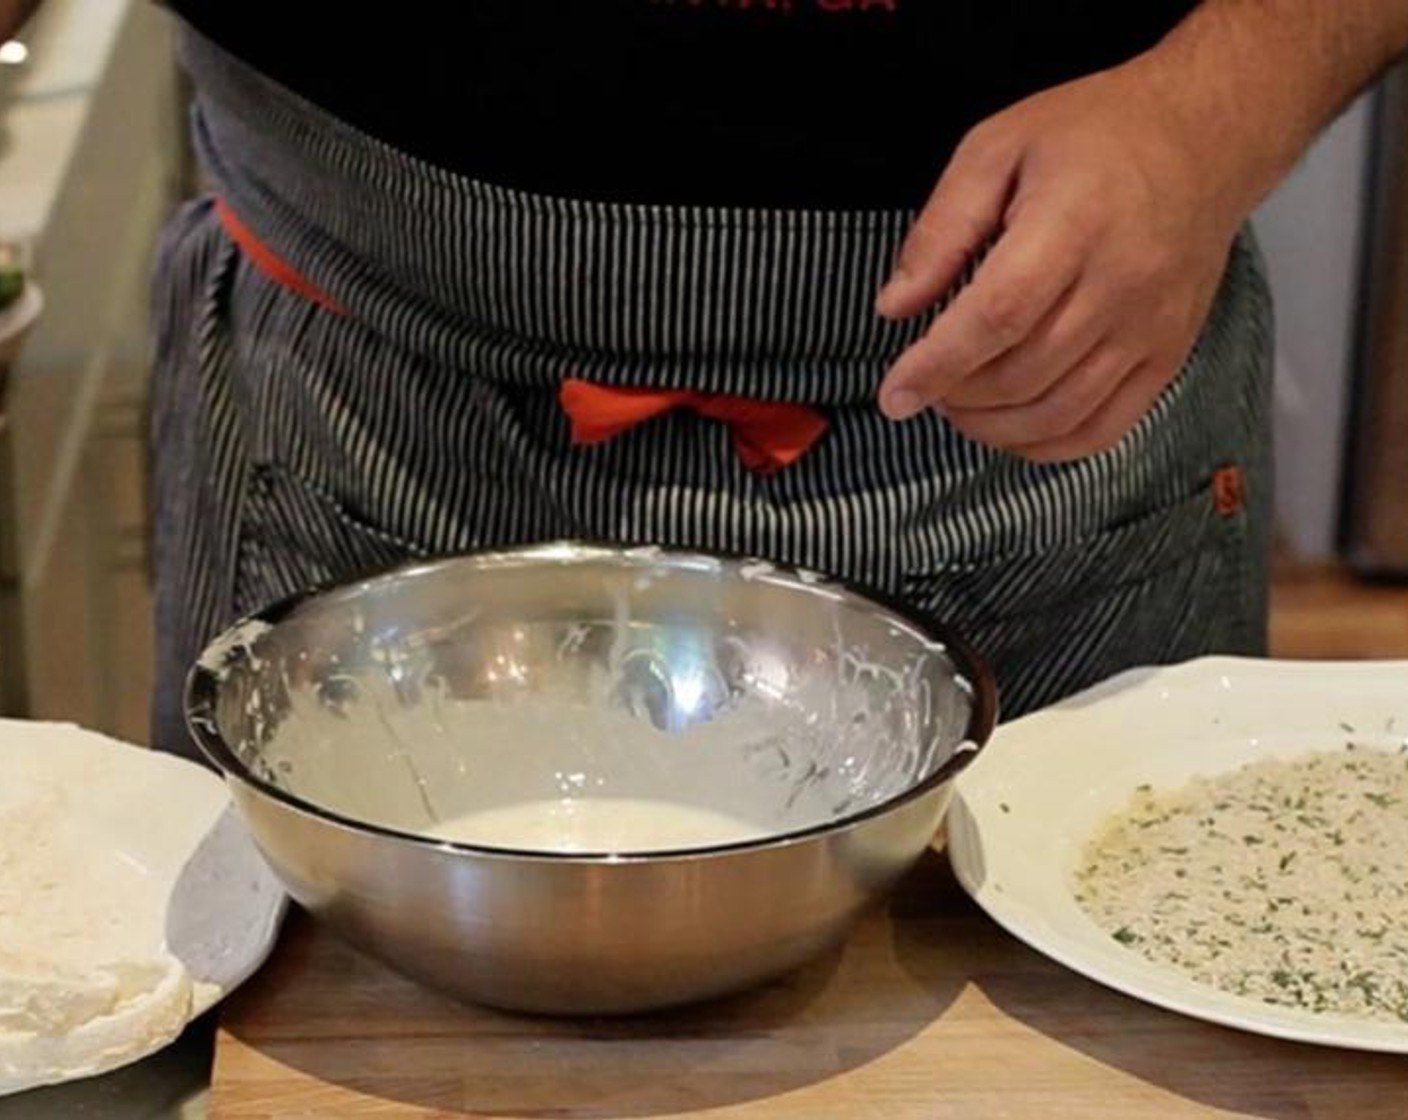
x=1136, y=396
x=961, y=216
x=1031, y=267
x=1061, y=343
x=1064, y=409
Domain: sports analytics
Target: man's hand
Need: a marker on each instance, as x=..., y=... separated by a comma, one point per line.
x=1109, y=255
x=1110, y=204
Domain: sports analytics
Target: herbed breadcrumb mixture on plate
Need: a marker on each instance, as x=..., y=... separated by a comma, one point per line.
x=1284, y=881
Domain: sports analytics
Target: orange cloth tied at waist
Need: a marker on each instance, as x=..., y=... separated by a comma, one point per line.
x=269, y=262
x=768, y=435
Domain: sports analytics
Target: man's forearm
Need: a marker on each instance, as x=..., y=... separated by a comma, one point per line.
x=13, y=13
x=1260, y=78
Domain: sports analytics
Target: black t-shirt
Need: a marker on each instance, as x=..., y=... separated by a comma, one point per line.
x=830, y=103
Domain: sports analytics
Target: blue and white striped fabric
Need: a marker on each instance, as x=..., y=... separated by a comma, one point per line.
x=295, y=445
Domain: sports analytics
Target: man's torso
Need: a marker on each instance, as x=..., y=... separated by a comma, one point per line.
x=852, y=104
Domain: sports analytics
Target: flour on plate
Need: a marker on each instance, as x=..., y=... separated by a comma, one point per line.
x=82, y=988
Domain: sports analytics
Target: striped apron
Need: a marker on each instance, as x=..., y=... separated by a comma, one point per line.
x=371, y=373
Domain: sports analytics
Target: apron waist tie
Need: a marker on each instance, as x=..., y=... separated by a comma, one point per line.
x=269, y=262
x=768, y=435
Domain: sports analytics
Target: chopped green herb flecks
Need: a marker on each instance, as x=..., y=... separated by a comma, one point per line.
x=1268, y=881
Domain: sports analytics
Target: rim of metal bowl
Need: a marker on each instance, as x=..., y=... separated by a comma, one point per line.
x=203, y=687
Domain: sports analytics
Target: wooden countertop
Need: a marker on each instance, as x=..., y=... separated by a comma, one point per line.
x=930, y=1012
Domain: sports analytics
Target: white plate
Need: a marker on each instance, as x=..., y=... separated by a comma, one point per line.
x=199, y=885
x=1025, y=809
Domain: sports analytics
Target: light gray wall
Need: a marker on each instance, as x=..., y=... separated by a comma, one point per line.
x=1311, y=230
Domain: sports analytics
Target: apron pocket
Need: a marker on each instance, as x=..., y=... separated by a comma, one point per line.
x=1169, y=586
x=294, y=536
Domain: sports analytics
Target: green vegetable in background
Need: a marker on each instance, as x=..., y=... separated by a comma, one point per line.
x=11, y=284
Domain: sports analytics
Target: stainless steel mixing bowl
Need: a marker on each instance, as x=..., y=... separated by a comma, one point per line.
x=349, y=722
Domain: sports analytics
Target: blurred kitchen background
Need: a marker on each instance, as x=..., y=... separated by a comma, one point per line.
x=92, y=156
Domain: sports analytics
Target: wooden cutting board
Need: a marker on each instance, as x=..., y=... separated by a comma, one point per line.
x=929, y=1013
